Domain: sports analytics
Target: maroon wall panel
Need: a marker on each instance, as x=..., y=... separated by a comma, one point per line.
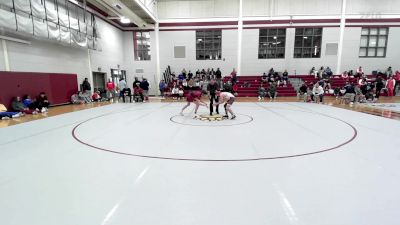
x=58, y=87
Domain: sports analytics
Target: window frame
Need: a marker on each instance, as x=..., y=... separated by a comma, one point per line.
x=306, y=52
x=376, y=47
x=141, y=53
x=271, y=35
x=212, y=38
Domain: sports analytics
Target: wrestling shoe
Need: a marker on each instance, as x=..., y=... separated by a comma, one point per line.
x=196, y=116
x=233, y=117
x=226, y=117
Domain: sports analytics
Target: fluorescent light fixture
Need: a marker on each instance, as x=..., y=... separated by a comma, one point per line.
x=275, y=37
x=74, y=1
x=124, y=20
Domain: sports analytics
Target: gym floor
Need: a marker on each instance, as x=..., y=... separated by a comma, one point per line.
x=283, y=162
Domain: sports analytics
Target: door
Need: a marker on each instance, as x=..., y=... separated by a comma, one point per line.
x=99, y=81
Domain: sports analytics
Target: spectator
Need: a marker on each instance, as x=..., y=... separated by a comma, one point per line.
x=345, y=75
x=18, y=106
x=285, y=77
x=264, y=78
x=272, y=93
x=359, y=72
x=181, y=92
x=137, y=82
x=228, y=86
x=42, y=102
x=360, y=97
x=321, y=72
x=328, y=71
x=75, y=99
x=212, y=73
x=389, y=72
x=190, y=75
x=277, y=78
x=184, y=73
x=175, y=92
x=122, y=86
x=271, y=71
x=313, y=72
x=350, y=92
x=261, y=92
x=317, y=93
x=302, y=94
x=235, y=88
x=162, y=86
x=369, y=96
x=29, y=103
x=218, y=74
x=271, y=78
x=110, y=86
x=5, y=115
x=397, y=79
x=86, y=85
x=138, y=94
x=145, y=86
x=390, y=84
x=378, y=86
x=198, y=73
x=85, y=96
x=234, y=76
x=96, y=96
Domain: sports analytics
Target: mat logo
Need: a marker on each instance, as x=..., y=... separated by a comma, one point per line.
x=209, y=118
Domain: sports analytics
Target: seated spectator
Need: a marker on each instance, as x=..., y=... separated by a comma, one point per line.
x=42, y=102
x=228, y=86
x=5, y=115
x=272, y=93
x=345, y=75
x=360, y=97
x=277, y=78
x=234, y=76
x=285, y=78
x=261, y=93
x=184, y=73
x=138, y=94
x=75, y=99
x=181, y=77
x=313, y=72
x=18, y=106
x=369, y=96
x=246, y=84
x=359, y=72
x=174, y=92
x=181, y=92
x=317, y=93
x=197, y=73
x=389, y=72
x=302, y=93
x=321, y=72
x=350, y=92
x=96, y=96
x=29, y=103
x=351, y=73
x=264, y=78
x=327, y=84
x=338, y=92
x=85, y=96
x=271, y=78
x=328, y=72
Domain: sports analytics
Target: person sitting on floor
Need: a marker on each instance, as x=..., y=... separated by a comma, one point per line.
x=75, y=99
x=29, y=103
x=261, y=93
x=96, y=96
x=42, y=102
x=18, y=106
x=85, y=96
x=272, y=93
x=5, y=115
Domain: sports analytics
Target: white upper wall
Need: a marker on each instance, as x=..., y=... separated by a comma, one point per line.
x=2, y=66
x=178, y=9
x=197, y=8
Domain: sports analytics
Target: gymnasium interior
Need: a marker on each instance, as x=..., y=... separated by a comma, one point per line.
x=199, y=112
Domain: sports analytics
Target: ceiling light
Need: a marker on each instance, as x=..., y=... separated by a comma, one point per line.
x=125, y=20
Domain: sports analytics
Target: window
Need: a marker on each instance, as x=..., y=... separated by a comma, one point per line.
x=271, y=43
x=142, y=45
x=373, y=42
x=208, y=44
x=307, y=43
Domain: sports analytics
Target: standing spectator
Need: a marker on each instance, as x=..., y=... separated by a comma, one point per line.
x=328, y=71
x=162, y=86
x=389, y=72
x=378, y=86
x=218, y=74
x=234, y=76
x=137, y=82
x=390, y=84
x=86, y=85
x=272, y=91
x=318, y=93
x=313, y=72
x=184, y=73
x=212, y=89
x=122, y=86
x=321, y=72
x=42, y=102
x=397, y=79
x=18, y=106
x=145, y=86
x=110, y=86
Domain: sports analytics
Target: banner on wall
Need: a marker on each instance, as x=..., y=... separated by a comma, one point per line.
x=54, y=31
x=65, y=35
x=22, y=5
x=25, y=24
x=40, y=28
x=7, y=20
x=38, y=9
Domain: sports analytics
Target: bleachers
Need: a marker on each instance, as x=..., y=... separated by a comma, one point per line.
x=254, y=82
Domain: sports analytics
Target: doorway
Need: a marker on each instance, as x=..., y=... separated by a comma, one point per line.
x=99, y=81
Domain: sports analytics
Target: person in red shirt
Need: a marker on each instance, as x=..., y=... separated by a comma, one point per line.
x=96, y=97
x=194, y=97
x=397, y=79
x=110, y=86
x=138, y=93
x=390, y=84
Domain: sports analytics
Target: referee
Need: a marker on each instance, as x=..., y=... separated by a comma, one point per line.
x=212, y=89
